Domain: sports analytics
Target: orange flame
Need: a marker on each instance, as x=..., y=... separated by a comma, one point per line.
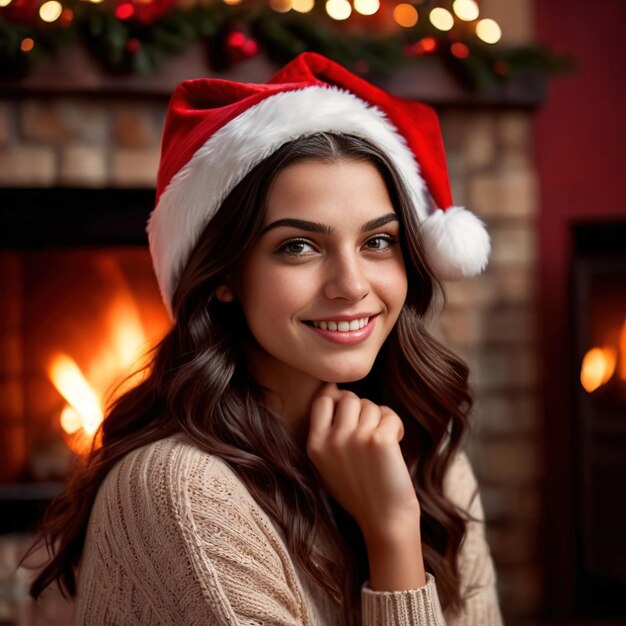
x=598, y=367
x=600, y=364
x=85, y=392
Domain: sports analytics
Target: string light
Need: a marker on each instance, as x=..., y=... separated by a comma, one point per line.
x=424, y=46
x=338, y=9
x=125, y=11
x=94, y=1
x=441, y=18
x=405, y=15
x=281, y=6
x=466, y=10
x=232, y=2
x=236, y=39
x=5, y=3
x=303, y=6
x=50, y=11
x=488, y=31
x=366, y=7
x=66, y=17
x=459, y=50
x=27, y=44
x=427, y=45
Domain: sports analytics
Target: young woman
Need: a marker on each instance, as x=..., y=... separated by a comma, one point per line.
x=293, y=454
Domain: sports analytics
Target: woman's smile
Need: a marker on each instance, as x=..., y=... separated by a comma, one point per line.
x=325, y=281
x=344, y=329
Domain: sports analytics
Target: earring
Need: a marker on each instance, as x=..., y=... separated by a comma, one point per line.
x=224, y=293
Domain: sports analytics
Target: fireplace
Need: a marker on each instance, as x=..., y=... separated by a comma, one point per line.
x=599, y=392
x=81, y=305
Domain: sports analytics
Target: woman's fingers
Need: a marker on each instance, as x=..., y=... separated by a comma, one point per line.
x=390, y=427
x=347, y=412
x=322, y=411
x=369, y=419
x=342, y=413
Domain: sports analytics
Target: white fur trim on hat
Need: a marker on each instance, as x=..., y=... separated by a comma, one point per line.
x=456, y=242
x=196, y=191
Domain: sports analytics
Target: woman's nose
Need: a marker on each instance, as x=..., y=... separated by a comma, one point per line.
x=345, y=278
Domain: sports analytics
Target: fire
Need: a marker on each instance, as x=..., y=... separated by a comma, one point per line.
x=600, y=364
x=598, y=367
x=85, y=390
x=72, y=385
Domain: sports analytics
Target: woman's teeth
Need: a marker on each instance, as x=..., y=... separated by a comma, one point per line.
x=343, y=327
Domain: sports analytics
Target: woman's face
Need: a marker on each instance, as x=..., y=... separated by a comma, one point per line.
x=325, y=282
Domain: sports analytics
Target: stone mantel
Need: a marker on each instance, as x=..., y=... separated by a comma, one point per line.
x=74, y=72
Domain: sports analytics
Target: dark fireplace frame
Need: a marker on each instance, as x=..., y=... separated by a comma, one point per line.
x=598, y=248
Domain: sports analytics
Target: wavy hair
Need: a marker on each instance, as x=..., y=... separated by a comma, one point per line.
x=197, y=382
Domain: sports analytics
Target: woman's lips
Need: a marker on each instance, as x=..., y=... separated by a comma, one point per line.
x=346, y=337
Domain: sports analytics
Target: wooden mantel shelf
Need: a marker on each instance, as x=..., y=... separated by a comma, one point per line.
x=76, y=73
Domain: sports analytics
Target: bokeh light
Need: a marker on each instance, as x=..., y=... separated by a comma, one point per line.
x=441, y=18
x=466, y=10
x=488, y=31
x=339, y=9
x=27, y=44
x=125, y=11
x=50, y=11
x=303, y=6
x=366, y=7
x=281, y=6
x=405, y=15
x=459, y=50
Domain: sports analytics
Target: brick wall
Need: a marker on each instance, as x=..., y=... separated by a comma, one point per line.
x=489, y=320
x=79, y=142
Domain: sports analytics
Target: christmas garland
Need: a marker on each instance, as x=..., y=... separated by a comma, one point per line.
x=136, y=36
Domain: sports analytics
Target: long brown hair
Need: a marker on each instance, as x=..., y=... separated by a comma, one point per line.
x=197, y=382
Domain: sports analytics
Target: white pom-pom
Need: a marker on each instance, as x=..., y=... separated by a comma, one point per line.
x=456, y=242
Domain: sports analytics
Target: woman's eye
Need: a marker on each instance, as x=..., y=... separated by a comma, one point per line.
x=295, y=247
x=381, y=242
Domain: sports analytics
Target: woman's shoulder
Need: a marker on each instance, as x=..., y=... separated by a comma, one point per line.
x=170, y=475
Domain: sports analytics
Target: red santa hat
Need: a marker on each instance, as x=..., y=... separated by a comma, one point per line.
x=217, y=130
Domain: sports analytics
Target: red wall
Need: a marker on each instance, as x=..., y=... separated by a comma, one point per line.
x=580, y=145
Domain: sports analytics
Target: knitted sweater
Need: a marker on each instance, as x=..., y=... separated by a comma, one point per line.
x=175, y=537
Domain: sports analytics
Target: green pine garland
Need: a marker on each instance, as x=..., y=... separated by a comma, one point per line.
x=126, y=46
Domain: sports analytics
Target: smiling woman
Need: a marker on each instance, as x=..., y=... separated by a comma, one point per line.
x=294, y=452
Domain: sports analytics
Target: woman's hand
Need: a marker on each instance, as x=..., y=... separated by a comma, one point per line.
x=355, y=446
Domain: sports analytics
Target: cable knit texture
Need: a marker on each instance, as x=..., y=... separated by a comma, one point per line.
x=174, y=537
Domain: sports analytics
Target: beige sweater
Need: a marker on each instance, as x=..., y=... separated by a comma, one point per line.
x=174, y=537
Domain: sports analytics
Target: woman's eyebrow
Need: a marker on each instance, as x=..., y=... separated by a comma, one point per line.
x=378, y=222
x=316, y=227
x=313, y=227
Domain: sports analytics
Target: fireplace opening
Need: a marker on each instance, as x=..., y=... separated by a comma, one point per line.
x=599, y=392
x=80, y=308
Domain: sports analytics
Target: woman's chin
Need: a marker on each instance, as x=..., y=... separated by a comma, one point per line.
x=346, y=375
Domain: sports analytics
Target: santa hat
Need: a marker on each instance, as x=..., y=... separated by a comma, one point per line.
x=217, y=130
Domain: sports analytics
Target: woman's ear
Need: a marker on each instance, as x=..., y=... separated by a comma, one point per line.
x=224, y=293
